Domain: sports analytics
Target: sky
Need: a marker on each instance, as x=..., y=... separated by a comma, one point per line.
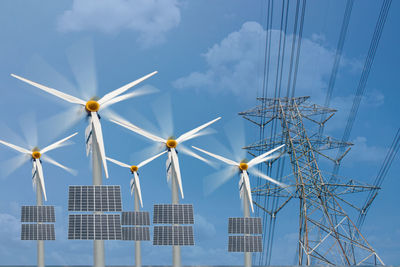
x=209, y=56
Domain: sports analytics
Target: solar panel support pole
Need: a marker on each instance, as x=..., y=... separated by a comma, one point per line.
x=176, y=250
x=98, y=245
x=246, y=214
x=40, y=243
x=138, y=255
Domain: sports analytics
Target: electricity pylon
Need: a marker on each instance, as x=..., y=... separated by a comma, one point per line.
x=327, y=235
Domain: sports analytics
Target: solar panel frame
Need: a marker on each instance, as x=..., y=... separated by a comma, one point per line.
x=42, y=214
x=248, y=225
x=37, y=231
x=245, y=243
x=136, y=233
x=173, y=214
x=105, y=198
x=94, y=227
x=135, y=218
x=173, y=235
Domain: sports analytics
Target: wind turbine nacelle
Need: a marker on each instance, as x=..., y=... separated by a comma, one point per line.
x=243, y=166
x=92, y=106
x=134, y=168
x=36, y=155
x=171, y=143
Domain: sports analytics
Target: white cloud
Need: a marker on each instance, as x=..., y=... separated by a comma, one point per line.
x=203, y=228
x=235, y=65
x=150, y=19
x=364, y=152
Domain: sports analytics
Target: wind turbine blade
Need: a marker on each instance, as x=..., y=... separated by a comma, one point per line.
x=41, y=177
x=190, y=133
x=175, y=163
x=162, y=110
x=132, y=186
x=141, y=164
x=138, y=130
x=118, y=162
x=18, y=148
x=10, y=165
x=137, y=187
x=57, y=144
x=227, y=161
x=266, y=177
x=141, y=91
x=52, y=161
x=66, y=97
x=261, y=157
x=213, y=181
x=100, y=142
x=28, y=125
x=122, y=89
x=189, y=152
x=248, y=190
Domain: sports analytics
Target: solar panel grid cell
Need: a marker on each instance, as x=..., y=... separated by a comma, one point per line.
x=136, y=233
x=94, y=227
x=173, y=214
x=245, y=244
x=135, y=218
x=95, y=198
x=244, y=226
x=37, y=214
x=173, y=236
x=37, y=232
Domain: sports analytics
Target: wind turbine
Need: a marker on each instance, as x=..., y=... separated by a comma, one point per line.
x=93, y=106
x=135, y=189
x=173, y=170
x=244, y=184
x=36, y=156
x=93, y=132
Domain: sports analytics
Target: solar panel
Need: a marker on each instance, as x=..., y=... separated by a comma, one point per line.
x=94, y=198
x=173, y=236
x=173, y=214
x=136, y=233
x=38, y=232
x=244, y=244
x=37, y=214
x=135, y=218
x=245, y=226
x=94, y=227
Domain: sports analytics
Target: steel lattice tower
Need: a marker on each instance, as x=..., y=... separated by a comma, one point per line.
x=327, y=235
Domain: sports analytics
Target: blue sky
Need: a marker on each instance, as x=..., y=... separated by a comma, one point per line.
x=209, y=55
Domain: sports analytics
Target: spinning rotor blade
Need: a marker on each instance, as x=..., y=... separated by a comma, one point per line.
x=9, y=166
x=266, y=177
x=66, y=97
x=39, y=170
x=189, y=152
x=52, y=161
x=141, y=164
x=132, y=185
x=247, y=188
x=262, y=157
x=217, y=179
x=138, y=130
x=141, y=91
x=227, y=161
x=18, y=148
x=189, y=134
x=175, y=163
x=118, y=162
x=122, y=89
x=57, y=144
x=99, y=140
x=137, y=187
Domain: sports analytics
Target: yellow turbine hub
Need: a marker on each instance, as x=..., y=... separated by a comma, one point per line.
x=134, y=168
x=36, y=154
x=171, y=143
x=243, y=166
x=92, y=106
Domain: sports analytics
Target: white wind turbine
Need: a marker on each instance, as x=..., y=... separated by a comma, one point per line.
x=135, y=183
x=135, y=188
x=93, y=106
x=244, y=184
x=243, y=167
x=36, y=156
x=37, y=176
x=170, y=144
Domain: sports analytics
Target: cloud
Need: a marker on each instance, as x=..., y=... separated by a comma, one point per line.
x=235, y=65
x=203, y=228
x=363, y=152
x=150, y=19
